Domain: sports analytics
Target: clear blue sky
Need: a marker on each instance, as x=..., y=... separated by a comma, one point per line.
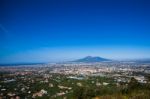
x=59, y=30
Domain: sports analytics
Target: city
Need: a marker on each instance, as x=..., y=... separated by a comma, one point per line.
x=98, y=80
x=74, y=49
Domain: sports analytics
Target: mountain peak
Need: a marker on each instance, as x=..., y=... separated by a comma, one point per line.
x=91, y=59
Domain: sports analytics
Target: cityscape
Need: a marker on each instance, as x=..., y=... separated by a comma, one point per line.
x=74, y=49
x=77, y=80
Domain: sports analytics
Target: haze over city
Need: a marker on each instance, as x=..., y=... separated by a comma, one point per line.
x=64, y=30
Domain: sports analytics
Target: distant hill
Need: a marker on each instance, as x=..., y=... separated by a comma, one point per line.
x=143, y=61
x=91, y=59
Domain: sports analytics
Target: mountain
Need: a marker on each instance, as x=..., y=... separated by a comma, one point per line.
x=142, y=60
x=91, y=59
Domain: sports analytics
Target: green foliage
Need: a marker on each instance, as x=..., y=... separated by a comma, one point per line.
x=88, y=90
x=133, y=84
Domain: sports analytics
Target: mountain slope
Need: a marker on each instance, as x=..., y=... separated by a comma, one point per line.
x=91, y=59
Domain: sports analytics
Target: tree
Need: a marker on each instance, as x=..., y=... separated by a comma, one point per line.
x=133, y=84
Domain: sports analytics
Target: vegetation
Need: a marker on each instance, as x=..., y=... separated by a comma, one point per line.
x=90, y=87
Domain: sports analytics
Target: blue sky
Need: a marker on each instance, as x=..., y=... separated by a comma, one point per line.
x=59, y=30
